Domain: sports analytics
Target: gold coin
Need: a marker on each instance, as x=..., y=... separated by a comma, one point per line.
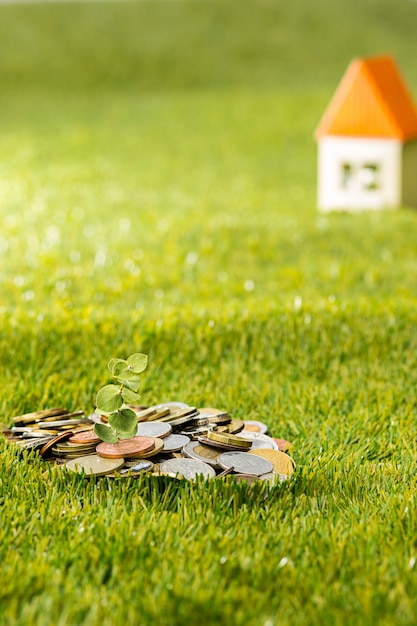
x=75, y=446
x=282, y=463
x=206, y=452
x=229, y=439
x=94, y=464
x=213, y=412
x=235, y=426
x=159, y=414
x=26, y=418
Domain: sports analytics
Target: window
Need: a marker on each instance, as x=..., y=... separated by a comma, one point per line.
x=347, y=175
x=369, y=176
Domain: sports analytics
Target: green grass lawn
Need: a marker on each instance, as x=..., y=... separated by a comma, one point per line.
x=157, y=194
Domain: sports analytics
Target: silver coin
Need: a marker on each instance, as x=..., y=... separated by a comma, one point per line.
x=200, y=421
x=274, y=477
x=181, y=421
x=241, y=462
x=259, y=440
x=33, y=444
x=174, y=443
x=69, y=422
x=188, y=468
x=96, y=418
x=254, y=426
x=191, y=430
x=154, y=429
x=25, y=433
x=142, y=466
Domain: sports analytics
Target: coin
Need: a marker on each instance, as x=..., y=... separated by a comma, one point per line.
x=235, y=426
x=72, y=455
x=242, y=463
x=96, y=418
x=188, y=412
x=209, y=411
x=222, y=446
x=193, y=431
x=125, y=448
x=32, y=417
x=142, y=414
x=187, y=468
x=64, y=416
x=259, y=440
x=157, y=449
x=173, y=443
x=229, y=439
x=138, y=468
x=65, y=422
x=282, y=463
x=199, y=421
x=32, y=444
x=32, y=432
x=67, y=445
x=172, y=405
x=181, y=421
x=283, y=444
x=47, y=447
x=246, y=478
x=215, y=416
x=160, y=414
x=85, y=436
x=154, y=429
x=274, y=477
x=94, y=464
x=254, y=426
x=200, y=452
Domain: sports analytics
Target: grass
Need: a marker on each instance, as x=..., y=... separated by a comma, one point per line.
x=157, y=193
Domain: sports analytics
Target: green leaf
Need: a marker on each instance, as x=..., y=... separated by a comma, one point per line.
x=113, y=362
x=133, y=384
x=109, y=399
x=127, y=435
x=137, y=362
x=105, y=433
x=129, y=396
x=119, y=368
x=124, y=421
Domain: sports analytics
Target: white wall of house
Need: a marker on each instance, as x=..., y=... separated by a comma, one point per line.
x=359, y=173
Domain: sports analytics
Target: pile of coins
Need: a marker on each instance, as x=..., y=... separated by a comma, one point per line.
x=172, y=439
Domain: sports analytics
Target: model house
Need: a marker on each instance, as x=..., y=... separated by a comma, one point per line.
x=367, y=141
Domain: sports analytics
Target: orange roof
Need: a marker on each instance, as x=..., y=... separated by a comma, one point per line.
x=371, y=100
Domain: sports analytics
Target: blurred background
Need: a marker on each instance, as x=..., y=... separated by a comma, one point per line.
x=159, y=154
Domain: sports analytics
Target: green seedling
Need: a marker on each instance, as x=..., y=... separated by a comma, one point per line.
x=112, y=399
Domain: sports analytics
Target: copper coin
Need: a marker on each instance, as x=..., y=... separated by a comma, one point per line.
x=46, y=450
x=125, y=448
x=253, y=426
x=283, y=444
x=246, y=478
x=85, y=436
